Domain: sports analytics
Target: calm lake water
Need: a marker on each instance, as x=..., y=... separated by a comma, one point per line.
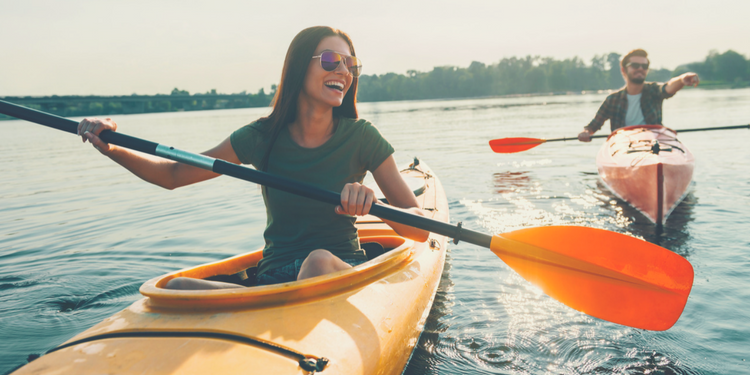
x=79, y=235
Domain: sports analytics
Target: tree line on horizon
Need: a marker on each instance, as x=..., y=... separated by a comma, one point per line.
x=509, y=76
x=537, y=75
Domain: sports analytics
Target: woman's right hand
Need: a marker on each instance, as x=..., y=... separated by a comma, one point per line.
x=356, y=200
x=584, y=136
x=90, y=128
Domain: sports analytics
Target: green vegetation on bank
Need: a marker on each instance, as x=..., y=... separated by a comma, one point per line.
x=535, y=75
x=178, y=100
x=509, y=76
x=729, y=68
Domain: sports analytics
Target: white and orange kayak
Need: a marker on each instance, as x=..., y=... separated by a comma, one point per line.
x=365, y=320
x=648, y=167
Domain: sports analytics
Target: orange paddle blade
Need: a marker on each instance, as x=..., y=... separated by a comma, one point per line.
x=604, y=274
x=512, y=145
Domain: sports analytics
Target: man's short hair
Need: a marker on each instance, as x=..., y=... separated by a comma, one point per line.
x=636, y=52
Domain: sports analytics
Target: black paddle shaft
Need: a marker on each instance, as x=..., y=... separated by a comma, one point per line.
x=678, y=131
x=247, y=174
x=715, y=128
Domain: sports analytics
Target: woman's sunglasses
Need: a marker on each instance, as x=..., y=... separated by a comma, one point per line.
x=638, y=65
x=330, y=61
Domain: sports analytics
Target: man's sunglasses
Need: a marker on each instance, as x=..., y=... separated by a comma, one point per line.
x=638, y=65
x=330, y=61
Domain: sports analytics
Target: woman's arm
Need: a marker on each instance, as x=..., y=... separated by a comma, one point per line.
x=399, y=195
x=162, y=172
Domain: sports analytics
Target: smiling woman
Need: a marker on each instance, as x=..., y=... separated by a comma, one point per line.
x=313, y=134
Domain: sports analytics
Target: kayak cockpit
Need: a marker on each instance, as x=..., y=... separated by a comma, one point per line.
x=393, y=253
x=400, y=252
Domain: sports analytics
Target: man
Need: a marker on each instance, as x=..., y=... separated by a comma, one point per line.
x=638, y=103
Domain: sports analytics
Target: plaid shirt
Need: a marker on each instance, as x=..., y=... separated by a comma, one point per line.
x=615, y=107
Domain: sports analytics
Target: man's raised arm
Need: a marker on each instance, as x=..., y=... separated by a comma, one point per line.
x=677, y=83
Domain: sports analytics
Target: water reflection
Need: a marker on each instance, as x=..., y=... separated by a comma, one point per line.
x=453, y=105
x=503, y=324
x=510, y=182
x=673, y=235
x=427, y=355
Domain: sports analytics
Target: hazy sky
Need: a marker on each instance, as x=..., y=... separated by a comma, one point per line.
x=104, y=47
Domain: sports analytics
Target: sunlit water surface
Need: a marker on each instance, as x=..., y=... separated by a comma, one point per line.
x=79, y=235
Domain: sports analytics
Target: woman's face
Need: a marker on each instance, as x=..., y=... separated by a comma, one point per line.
x=327, y=87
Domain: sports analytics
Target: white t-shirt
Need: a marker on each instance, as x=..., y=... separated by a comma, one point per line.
x=634, y=116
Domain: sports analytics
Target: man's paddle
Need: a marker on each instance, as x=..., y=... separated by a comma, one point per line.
x=605, y=274
x=513, y=145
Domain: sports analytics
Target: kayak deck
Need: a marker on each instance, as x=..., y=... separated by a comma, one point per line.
x=364, y=320
x=648, y=167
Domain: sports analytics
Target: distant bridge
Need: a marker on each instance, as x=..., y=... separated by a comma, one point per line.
x=122, y=98
x=129, y=104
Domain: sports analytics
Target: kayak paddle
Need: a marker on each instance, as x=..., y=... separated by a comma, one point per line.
x=604, y=274
x=513, y=145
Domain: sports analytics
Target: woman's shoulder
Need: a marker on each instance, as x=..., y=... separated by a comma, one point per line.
x=362, y=130
x=258, y=126
x=257, y=129
x=248, y=140
x=355, y=122
x=358, y=125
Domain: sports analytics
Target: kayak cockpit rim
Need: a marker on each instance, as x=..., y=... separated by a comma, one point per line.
x=644, y=127
x=403, y=252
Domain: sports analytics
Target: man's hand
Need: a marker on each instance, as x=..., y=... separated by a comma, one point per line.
x=677, y=83
x=584, y=136
x=690, y=79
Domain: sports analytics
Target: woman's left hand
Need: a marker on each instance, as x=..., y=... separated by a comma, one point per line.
x=356, y=200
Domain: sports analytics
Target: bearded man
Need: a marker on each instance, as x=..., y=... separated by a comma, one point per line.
x=639, y=102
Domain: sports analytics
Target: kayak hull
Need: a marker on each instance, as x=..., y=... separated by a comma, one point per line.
x=647, y=167
x=365, y=320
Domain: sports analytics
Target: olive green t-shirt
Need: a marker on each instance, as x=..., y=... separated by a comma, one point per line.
x=296, y=225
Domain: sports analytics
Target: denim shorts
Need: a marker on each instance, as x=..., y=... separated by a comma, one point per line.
x=289, y=272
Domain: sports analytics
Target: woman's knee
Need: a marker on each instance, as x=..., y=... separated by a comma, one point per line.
x=187, y=283
x=319, y=257
x=320, y=262
x=178, y=283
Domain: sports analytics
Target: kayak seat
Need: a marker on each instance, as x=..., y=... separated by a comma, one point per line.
x=245, y=277
x=248, y=278
x=373, y=249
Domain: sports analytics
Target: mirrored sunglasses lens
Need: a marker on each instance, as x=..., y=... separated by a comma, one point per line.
x=330, y=60
x=354, y=65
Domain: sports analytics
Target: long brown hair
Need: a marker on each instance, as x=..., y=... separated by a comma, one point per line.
x=293, y=75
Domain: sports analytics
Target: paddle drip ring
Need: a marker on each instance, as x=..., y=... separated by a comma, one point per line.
x=458, y=234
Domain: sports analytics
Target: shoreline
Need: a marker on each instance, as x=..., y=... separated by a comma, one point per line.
x=218, y=102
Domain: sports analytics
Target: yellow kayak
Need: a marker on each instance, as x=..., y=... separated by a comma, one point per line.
x=365, y=320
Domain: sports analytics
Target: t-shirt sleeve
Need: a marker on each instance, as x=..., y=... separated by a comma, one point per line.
x=245, y=142
x=374, y=148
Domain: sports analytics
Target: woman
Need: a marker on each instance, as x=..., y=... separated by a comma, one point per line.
x=312, y=135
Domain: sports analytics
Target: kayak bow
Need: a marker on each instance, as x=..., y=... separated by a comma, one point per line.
x=648, y=167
